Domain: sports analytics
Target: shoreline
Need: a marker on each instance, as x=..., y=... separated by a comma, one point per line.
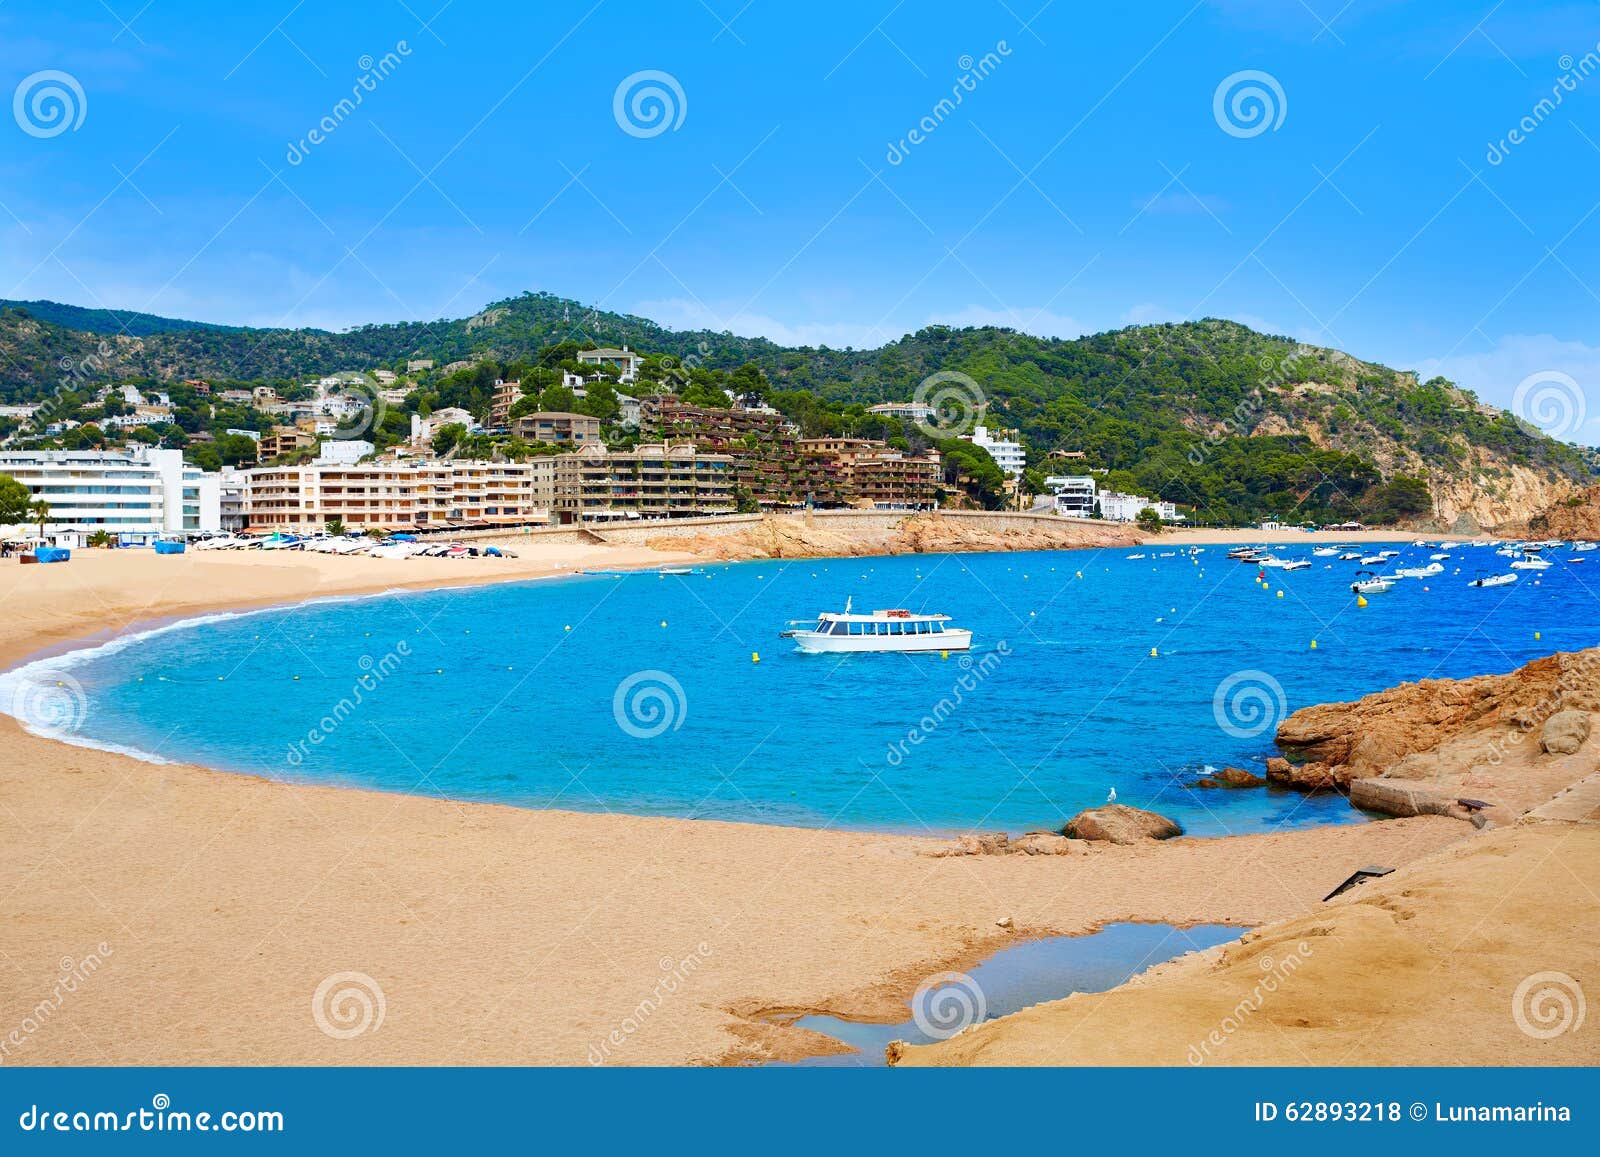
x=862, y=877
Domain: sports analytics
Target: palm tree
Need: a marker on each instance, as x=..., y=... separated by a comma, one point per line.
x=39, y=511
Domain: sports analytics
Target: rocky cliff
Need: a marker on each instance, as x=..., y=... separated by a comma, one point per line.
x=1496, y=744
x=1575, y=516
x=800, y=537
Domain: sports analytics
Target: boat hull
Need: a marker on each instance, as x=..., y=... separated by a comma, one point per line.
x=816, y=644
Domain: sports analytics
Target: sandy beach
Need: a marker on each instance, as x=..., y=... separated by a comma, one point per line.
x=225, y=914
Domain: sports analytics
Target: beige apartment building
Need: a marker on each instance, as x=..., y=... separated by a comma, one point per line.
x=396, y=496
x=649, y=481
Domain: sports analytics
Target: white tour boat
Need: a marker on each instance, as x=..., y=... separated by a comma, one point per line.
x=889, y=630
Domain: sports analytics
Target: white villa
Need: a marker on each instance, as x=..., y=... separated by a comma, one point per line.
x=1008, y=455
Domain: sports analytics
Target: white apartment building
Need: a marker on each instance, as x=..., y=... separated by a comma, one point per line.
x=398, y=496
x=624, y=360
x=1118, y=507
x=139, y=494
x=1074, y=494
x=1008, y=455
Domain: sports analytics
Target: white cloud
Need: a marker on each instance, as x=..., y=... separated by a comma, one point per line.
x=1495, y=374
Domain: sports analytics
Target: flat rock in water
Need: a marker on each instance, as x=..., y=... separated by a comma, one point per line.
x=1119, y=824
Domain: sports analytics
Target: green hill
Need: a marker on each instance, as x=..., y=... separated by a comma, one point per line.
x=1209, y=413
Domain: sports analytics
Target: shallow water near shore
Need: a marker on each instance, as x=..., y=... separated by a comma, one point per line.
x=1015, y=978
x=642, y=693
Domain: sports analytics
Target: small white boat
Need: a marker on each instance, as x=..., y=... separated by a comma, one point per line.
x=1584, y=547
x=1296, y=564
x=1428, y=571
x=1493, y=580
x=1388, y=553
x=1372, y=585
x=1374, y=560
x=1350, y=556
x=886, y=630
x=1531, y=564
x=1326, y=551
x=1131, y=557
x=1438, y=557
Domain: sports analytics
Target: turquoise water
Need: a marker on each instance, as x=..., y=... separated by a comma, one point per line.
x=486, y=694
x=1015, y=978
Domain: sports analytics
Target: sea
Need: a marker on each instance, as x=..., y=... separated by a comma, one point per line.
x=1125, y=673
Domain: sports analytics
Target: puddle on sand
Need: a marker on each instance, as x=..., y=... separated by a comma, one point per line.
x=1015, y=978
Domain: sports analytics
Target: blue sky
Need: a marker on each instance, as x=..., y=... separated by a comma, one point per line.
x=1087, y=179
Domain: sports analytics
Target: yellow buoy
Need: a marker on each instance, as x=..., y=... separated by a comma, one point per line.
x=1280, y=594
x=1538, y=634
x=755, y=656
x=663, y=622
x=1361, y=600
x=568, y=627
x=1153, y=653
x=944, y=654
x=1313, y=644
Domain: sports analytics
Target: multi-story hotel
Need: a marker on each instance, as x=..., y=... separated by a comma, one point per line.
x=877, y=473
x=557, y=428
x=138, y=495
x=770, y=463
x=394, y=496
x=649, y=481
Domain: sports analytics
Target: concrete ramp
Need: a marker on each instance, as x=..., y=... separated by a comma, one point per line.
x=1578, y=804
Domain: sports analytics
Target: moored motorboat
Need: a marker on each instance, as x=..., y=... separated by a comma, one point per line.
x=1532, y=564
x=1493, y=580
x=1373, y=584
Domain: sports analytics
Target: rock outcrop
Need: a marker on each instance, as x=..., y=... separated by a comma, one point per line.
x=1333, y=743
x=999, y=844
x=1564, y=732
x=834, y=537
x=1232, y=777
x=1119, y=824
x=1576, y=516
